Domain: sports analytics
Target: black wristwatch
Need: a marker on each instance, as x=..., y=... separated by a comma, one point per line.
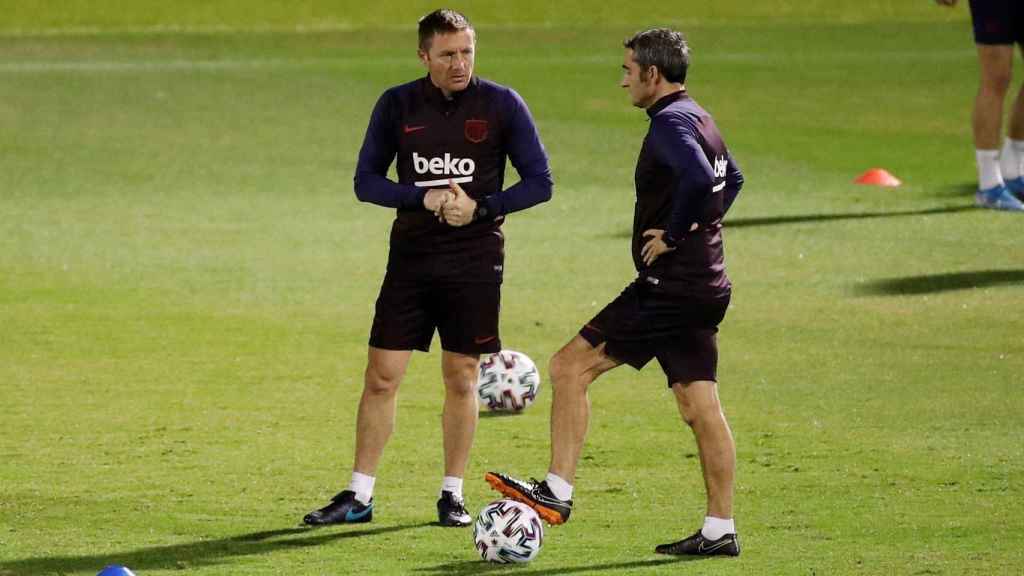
x=669, y=241
x=481, y=211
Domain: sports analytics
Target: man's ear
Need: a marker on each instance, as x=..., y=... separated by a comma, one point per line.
x=652, y=74
x=423, y=56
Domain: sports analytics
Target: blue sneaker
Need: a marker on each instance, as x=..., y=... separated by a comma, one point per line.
x=1016, y=185
x=998, y=198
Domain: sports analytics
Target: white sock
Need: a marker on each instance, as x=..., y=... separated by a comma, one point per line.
x=559, y=487
x=453, y=485
x=1010, y=159
x=362, y=485
x=989, y=175
x=715, y=528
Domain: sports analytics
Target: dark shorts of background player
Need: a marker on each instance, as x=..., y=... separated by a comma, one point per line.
x=648, y=321
x=998, y=22
x=464, y=314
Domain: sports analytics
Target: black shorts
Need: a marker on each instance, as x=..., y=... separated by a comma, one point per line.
x=464, y=314
x=998, y=22
x=648, y=321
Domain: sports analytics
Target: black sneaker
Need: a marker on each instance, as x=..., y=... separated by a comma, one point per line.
x=451, y=510
x=534, y=494
x=698, y=545
x=343, y=509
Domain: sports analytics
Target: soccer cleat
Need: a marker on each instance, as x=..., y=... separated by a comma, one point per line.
x=451, y=510
x=343, y=509
x=698, y=545
x=998, y=198
x=534, y=494
x=1016, y=186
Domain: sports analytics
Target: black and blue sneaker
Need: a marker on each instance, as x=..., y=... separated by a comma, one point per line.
x=698, y=545
x=343, y=509
x=451, y=510
x=535, y=494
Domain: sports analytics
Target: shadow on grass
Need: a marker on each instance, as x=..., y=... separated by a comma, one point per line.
x=962, y=190
x=732, y=223
x=481, y=567
x=502, y=414
x=194, y=554
x=932, y=283
x=801, y=218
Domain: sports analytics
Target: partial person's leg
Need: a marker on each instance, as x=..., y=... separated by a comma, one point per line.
x=996, y=65
x=700, y=408
x=374, y=424
x=458, y=423
x=459, y=419
x=1011, y=161
x=376, y=419
x=1016, y=128
x=572, y=370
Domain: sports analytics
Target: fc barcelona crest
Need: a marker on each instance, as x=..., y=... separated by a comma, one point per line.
x=476, y=131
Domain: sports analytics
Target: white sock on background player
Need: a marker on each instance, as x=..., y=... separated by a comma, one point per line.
x=362, y=485
x=1011, y=158
x=989, y=175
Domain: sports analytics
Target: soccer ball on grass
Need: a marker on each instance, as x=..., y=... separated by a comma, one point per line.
x=507, y=531
x=509, y=381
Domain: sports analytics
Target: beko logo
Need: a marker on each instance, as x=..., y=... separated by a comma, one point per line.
x=459, y=170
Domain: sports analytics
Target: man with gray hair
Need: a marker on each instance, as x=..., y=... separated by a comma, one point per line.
x=686, y=180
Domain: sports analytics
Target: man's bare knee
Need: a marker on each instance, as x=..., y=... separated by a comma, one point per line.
x=380, y=383
x=460, y=373
x=559, y=367
x=996, y=68
x=996, y=82
x=460, y=385
x=568, y=372
x=698, y=402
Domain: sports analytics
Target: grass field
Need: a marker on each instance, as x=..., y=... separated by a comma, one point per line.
x=187, y=280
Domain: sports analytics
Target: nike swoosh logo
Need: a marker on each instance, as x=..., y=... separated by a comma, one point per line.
x=351, y=516
x=410, y=129
x=483, y=340
x=702, y=548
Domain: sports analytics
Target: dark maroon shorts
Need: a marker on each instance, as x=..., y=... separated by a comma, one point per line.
x=464, y=314
x=648, y=321
x=998, y=22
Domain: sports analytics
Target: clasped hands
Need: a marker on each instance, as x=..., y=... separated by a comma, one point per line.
x=451, y=205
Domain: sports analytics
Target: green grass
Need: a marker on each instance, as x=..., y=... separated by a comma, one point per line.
x=186, y=285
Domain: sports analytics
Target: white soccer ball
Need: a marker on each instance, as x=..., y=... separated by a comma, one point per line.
x=509, y=381
x=507, y=531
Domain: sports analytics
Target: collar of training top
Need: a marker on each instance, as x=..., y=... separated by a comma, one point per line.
x=433, y=94
x=664, y=101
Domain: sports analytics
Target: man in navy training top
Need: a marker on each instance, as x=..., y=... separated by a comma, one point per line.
x=685, y=182
x=451, y=133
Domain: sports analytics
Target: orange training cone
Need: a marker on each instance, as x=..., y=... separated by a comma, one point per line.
x=878, y=177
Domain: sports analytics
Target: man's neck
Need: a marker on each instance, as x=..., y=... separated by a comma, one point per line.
x=664, y=89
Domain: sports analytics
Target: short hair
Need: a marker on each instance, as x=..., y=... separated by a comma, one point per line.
x=441, y=21
x=662, y=48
